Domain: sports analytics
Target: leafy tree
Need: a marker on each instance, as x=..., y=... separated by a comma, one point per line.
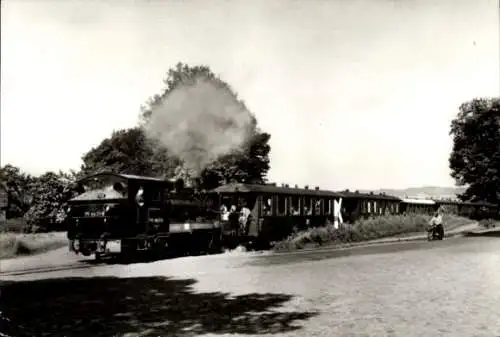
x=475, y=158
x=50, y=191
x=129, y=151
x=18, y=190
x=179, y=75
x=248, y=164
x=34, y=198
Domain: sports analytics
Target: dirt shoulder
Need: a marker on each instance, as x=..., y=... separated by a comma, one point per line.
x=493, y=232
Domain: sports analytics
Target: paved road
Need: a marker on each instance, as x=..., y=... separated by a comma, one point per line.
x=62, y=259
x=449, y=288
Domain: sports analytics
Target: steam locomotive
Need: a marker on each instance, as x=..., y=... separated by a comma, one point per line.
x=124, y=214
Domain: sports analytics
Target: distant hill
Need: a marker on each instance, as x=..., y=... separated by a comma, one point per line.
x=426, y=191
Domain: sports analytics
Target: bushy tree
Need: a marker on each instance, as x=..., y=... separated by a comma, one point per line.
x=475, y=158
x=51, y=192
x=129, y=151
x=18, y=185
x=179, y=75
x=248, y=165
x=35, y=198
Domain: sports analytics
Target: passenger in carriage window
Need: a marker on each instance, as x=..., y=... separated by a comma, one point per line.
x=307, y=212
x=267, y=207
x=318, y=207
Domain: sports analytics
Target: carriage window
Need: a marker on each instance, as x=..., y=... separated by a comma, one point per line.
x=307, y=205
x=281, y=204
x=267, y=207
x=226, y=201
x=320, y=206
x=368, y=204
x=375, y=207
x=328, y=206
x=295, y=205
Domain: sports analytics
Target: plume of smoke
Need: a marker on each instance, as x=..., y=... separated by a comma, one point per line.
x=199, y=122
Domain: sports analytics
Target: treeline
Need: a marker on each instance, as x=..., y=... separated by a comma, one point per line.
x=36, y=199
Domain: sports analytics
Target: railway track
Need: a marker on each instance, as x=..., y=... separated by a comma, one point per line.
x=40, y=270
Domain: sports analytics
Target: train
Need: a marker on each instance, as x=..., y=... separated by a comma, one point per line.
x=122, y=214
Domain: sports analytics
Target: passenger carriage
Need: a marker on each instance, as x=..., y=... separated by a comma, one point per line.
x=357, y=205
x=418, y=206
x=275, y=211
x=473, y=210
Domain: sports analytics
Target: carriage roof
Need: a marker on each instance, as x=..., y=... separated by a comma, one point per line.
x=464, y=203
x=370, y=196
x=419, y=201
x=271, y=189
x=128, y=177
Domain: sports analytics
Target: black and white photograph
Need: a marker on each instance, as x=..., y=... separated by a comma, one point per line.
x=250, y=168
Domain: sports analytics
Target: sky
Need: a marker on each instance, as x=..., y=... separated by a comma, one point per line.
x=356, y=94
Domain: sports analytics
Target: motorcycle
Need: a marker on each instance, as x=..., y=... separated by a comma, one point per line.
x=433, y=233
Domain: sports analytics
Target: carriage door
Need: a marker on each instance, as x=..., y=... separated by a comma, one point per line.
x=154, y=215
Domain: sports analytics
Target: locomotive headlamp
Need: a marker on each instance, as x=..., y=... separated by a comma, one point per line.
x=187, y=226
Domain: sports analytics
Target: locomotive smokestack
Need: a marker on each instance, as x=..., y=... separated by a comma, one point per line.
x=179, y=184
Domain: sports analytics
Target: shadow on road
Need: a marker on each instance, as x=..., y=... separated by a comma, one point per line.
x=144, y=306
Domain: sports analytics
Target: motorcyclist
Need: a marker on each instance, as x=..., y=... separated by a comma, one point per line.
x=436, y=223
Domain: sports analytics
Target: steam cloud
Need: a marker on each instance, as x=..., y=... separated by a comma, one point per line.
x=200, y=122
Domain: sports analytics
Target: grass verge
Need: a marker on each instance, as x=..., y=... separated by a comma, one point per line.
x=488, y=223
x=16, y=244
x=365, y=230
